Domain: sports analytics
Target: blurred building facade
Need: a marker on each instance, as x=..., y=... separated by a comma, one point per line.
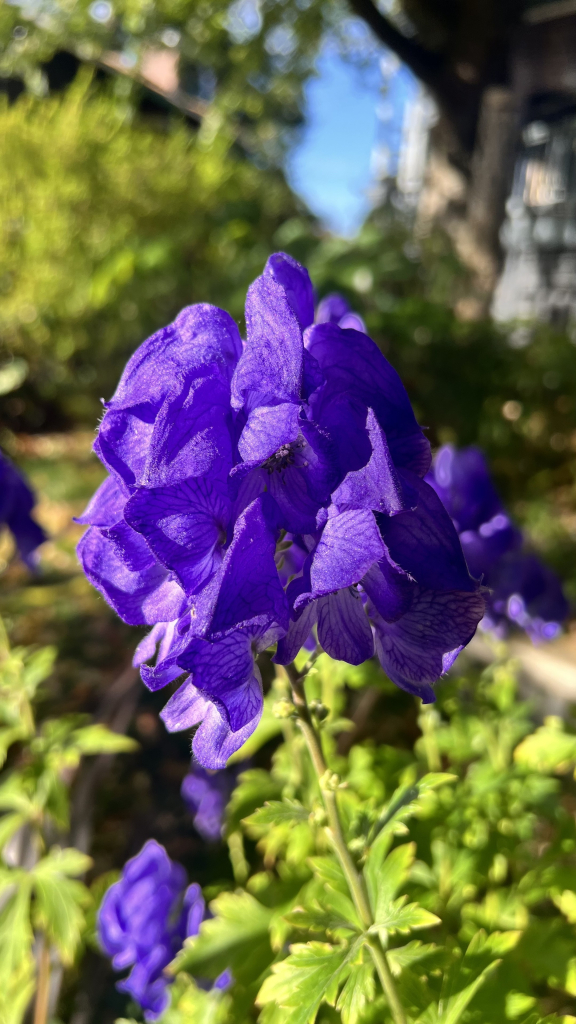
x=538, y=236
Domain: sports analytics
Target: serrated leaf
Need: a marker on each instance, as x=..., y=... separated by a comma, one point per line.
x=15, y=930
x=236, y=938
x=328, y=870
x=341, y=905
x=433, y=780
x=385, y=876
x=58, y=912
x=307, y=977
x=399, y=916
x=98, y=739
x=9, y=825
x=400, y=957
x=332, y=911
x=67, y=861
x=359, y=990
x=277, y=812
x=457, y=994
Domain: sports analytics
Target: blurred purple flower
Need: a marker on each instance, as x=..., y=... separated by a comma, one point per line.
x=524, y=592
x=335, y=309
x=206, y=795
x=264, y=489
x=16, y=504
x=143, y=921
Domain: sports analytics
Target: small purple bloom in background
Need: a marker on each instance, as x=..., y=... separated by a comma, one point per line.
x=206, y=795
x=143, y=921
x=524, y=591
x=335, y=309
x=265, y=492
x=16, y=504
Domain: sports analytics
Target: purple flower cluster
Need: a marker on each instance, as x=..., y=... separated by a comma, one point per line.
x=143, y=921
x=523, y=590
x=206, y=795
x=225, y=457
x=16, y=504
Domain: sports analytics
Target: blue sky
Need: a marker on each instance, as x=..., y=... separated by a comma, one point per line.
x=352, y=115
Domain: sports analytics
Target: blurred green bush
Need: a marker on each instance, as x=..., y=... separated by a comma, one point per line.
x=108, y=226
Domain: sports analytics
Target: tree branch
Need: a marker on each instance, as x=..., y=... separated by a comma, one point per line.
x=457, y=98
x=425, y=64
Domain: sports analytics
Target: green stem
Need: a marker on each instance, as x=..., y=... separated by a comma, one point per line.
x=43, y=983
x=353, y=878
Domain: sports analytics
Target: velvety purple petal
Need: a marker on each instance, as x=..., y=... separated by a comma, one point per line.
x=349, y=546
x=184, y=525
x=343, y=628
x=139, y=598
x=268, y=428
x=377, y=485
x=389, y=589
x=174, y=639
x=201, y=336
x=412, y=649
x=342, y=418
x=270, y=368
x=214, y=742
x=425, y=544
x=298, y=632
x=192, y=431
x=296, y=283
x=146, y=649
x=225, y=671
x=129, y=547
x=246, y=588
x=352, y=362
x=106, y=506
x=290, y=491
x=312, y=376
x=123, y=441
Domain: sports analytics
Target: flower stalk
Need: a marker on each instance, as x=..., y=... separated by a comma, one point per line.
x=41, y=1005
x=326, y=781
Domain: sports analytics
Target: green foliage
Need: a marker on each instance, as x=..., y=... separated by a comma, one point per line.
x=108, y=228
x=42, y=900
x=248, y=66
x=450, y=854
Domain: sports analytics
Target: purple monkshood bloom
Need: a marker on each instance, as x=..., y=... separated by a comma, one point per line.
x=335, y=309
x=524, y=592
x=16, y=504
x=143, y=921
x=264, y=490
x=206, y=795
